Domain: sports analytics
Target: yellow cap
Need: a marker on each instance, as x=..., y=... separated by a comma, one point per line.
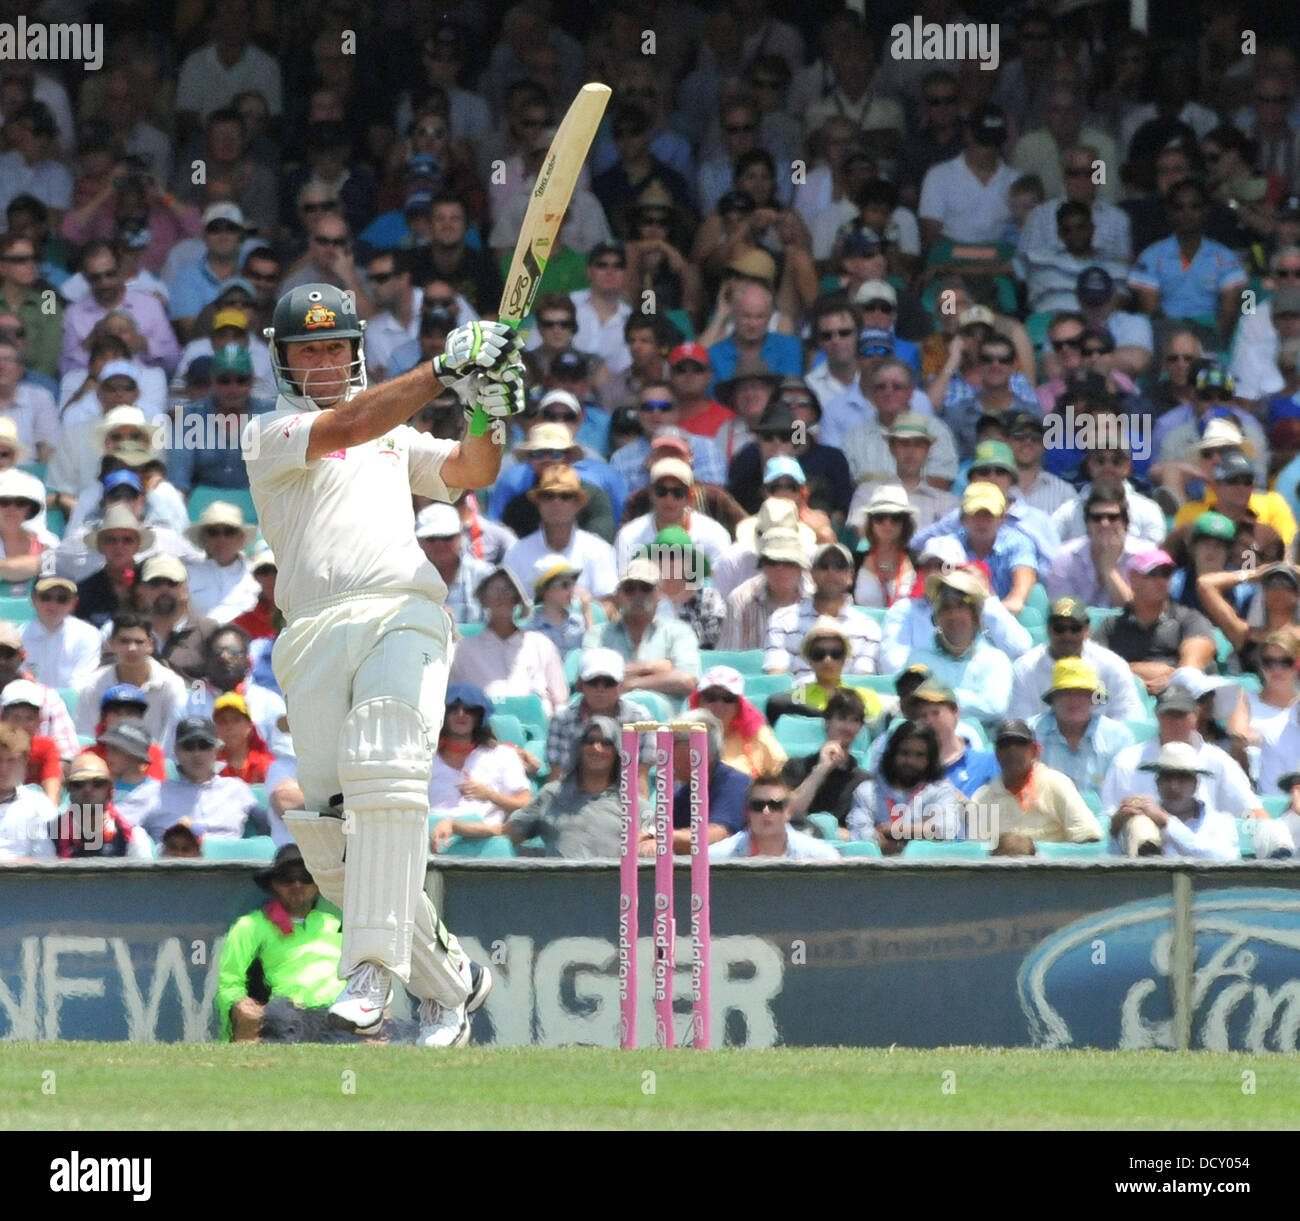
x=984, y=496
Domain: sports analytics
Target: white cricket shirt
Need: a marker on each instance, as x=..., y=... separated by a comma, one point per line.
x=343, y=523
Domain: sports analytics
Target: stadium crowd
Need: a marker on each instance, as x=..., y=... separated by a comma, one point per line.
x=930, y=434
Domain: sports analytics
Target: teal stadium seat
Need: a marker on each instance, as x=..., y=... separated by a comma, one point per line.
x=1275, y=804
x=260, y=792
x=859, y=847
x=874, y=612
x=746, y=661
x=938, y=849
x=70, y=700
x=469, y=629
x=1036, y=608
x=759, y=686
x=881, y=684
x=1097, y=615
x=202, y=495
x=254, y=848
x=17, y=610
x=1055, y=852
x=528, y=708
x=495, y=846
x=508, y=728
x=1142, y=731
x=827, y=825
x=800, y=735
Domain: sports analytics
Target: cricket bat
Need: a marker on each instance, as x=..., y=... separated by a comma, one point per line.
x=551, y=194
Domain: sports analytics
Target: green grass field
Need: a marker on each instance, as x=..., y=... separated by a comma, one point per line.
x=197, y=1086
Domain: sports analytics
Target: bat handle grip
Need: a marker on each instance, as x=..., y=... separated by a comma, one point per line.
x=479, y=421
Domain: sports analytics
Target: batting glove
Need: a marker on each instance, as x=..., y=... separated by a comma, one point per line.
x=480, y=345
x=501, y=394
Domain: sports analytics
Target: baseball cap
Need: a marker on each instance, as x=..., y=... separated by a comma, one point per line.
x=469, y=696
x=167, y=567
x=641, y=569
x=1231, y=465
x=1216, y=377
x=548, y=567
x=946, y=548
x=231, y=699
x=223, y=211
x=419, y=200
x=910, y=424
x=564, y=398
x=1072, y=674
x=88, y=766
x=988, y=125
x=1214, y=525
x=977, y=315
x=910, y=679
x=1070, y=608
x=232, y=358
x=672, y=468
x=119, y=368
x=995, y=453
x=1175, y=698
x=725, y=677
x=1014, y=421
x=123, y=693
x=123, y=479
x=1147, y=562
x=859, y=241
x=1095, y=286
x=54, y=582
x=932, y=691
x=671, y=438
x=606, y=247
x=130, y=737
x=1013, y=730
x=689, y=351
x=875, y=341
x=22, y=691
x=783, y=467
x=437, y=521
x=423, y=165
x=876, y=290
x=570, y=365
x=197, y=729
x=230, y=317
x=601, y=663
x=983, y=496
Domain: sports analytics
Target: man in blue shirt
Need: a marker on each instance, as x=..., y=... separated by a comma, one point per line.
x=206, y=449
x=1078, y=740
x=752, y=305
x=198, y=284
x=1188, y=274
x=964, y=765
x=728, y=787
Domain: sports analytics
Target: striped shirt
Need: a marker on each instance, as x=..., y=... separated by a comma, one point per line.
x=788, y=626
x=748, y=612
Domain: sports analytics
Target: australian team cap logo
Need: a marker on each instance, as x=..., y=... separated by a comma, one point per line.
x=316, y=317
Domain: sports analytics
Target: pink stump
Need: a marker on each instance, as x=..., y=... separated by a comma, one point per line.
x=629, y=793
x=701, y=934
x=664, y=928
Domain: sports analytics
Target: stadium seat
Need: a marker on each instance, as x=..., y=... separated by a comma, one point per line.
x=528, y=708
x=939, y=849
x=1051, y=852
x=827, y=824
x=881, y=684
x=1036, y=607
x=1092, y=799
x=254, y=848
x=17, y=610
x=655, y=706
x=572, y=660
x=759, y=686
x=1097, y=615
x=859, y=847
x=746, y=661
x=492, y=846
x=467, y=630
x=1275, y=804
x=1222, y=647
x=874, y=612
x=800, y=735
x=1249, y=682
x=70, y=700
x=508, y=728
x=1142, y=731
x=260, y=792
x=203, y=495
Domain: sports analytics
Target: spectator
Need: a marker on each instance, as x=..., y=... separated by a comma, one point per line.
x=180, y=842
x=911, y=439
x=221, y=584
x=562, y=615
x=1031, y=798
x=767, y=831
x=579, y=815
x=752, y=305
x=22, y=293
x=647, y=339
x=1188, y=274
x=784, y=479
x=162, y=594
x=908, y=798
x=30, y=407
x=220, y=806
x=1108, y=461
x=119, y=537
x=746, y=393
x=671, y=481
x=32, y=166
x=1098, y=294
x=1233, y=494
x=1207, y=551
x=1079, y=737
x=825, y=781
x=965, y=199
x=602, y=309
x=549, y=445
x=1051, y=273
x=243, y=752
x=29, y=821
x=1269, y=710
x=965, y=764
x=570, y=402
x=92, y=825
x=725, y=788
x=505, y=659
x=102, y=268
x=1112, y=231
x=1278, y=606
x=660, y=654
x=198, y=284
x=559, y=498
x=127, y=750
x=1175, y=822
x=987, y=535
x=475, y=780
x=886, y=574
x=263, y=621
x=825, y=650
x=470, y=272
x=656, y=411
x=61, y=649
x=438, y=531
x=782, y=562
x=748, y=744
x=908, y=625
x=21, y=702
x=330, y=260
x=788, y=627
x=940, y=136
x=656, y=258
x=211, y=76
x=1068, y=638
x=1255, y=352
x=1044, y=151
x=131, y=645
x=1094, y=569
x=1224, y=786
x=689, y=377
x=961, y=656
x=684, y=591
x=1036, y=487
x=293, y=943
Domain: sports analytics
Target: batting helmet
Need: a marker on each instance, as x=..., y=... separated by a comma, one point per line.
x=315, y=311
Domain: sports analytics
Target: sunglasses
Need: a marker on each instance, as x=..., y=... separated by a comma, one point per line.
x=1061, y=344
x=558, y=417
x=1282, y=273
x=738, y=129
x=324, y=206
x=297, y=878
x=985, y=472
x=760, y=805
x=1005, y=359
x=87, y=784
x=50, y=595
x=19, y=258
x=562, y=323
x=839, y=333
x=1177, y=358
x=1276, y=663
x=339, y=242
x=602, y=681
x=605, y=742
x=557, y=496
x=233, y=379
x=719, y=697
x=875, y=350
x=547, y=455
x=1108, y=459
x=1065, y=627
x=675, y=490
x=637, y=587
x=658, y=405
x=898, y=518
x=1105, y=517
x=826, y=654
x=98, y=277
x=196, y=744
x=222, y=532
x=13, y=502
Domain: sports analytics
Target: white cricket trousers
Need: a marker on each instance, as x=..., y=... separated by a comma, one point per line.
x=364, y=678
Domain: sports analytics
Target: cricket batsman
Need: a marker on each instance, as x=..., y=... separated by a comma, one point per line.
x=365, y=651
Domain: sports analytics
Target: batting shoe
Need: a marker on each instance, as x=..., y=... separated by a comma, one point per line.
x=441, y=1027
x=362, y=1002
x=480, y=984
